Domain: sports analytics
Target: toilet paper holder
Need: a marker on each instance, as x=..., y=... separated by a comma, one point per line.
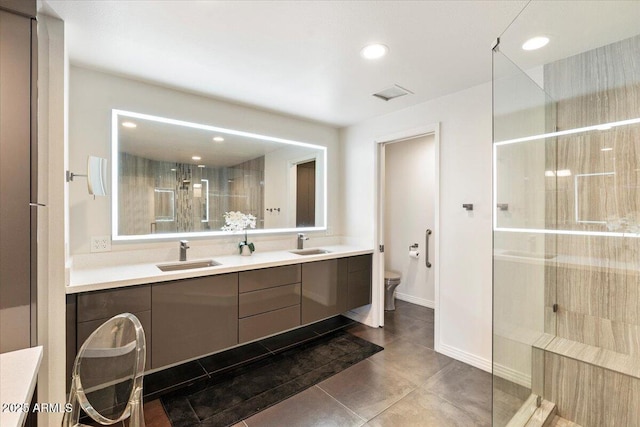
x=413, y=247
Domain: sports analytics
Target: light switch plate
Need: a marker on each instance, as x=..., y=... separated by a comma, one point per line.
x=100, y=243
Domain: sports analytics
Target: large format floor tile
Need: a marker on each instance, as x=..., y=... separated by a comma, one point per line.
x=401, y=325
x=367, y=388
x=423, y=409
x=412, y=310
x=411, y=361
x=312, y=407
x=464, y=386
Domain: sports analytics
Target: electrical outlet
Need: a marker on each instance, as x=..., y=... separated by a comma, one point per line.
x=100, y=243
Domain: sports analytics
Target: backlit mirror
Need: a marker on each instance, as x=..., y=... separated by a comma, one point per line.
x=175, y=178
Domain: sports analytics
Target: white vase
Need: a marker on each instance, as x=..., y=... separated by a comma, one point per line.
x=246, y=251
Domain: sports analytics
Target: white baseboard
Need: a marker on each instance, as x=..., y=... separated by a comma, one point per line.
x=512, y=375
x=463, y=356
x=415, y=300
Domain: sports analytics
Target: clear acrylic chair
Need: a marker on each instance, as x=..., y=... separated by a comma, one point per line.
x=107, y=375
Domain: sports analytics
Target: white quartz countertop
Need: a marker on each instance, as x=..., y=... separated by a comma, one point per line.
x=117, y=276
x=18, y=375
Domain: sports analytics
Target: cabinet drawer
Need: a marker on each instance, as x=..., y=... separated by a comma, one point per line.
x=269, y=277
x=264, y=300
x=106, y=304
x=261, y=325
x=86, y=328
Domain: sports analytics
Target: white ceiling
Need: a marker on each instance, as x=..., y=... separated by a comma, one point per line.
x=302, y=57
x=294, y=57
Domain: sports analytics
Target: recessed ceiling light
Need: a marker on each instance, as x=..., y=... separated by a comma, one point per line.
x=535, y=43
x=374, y=51
x=218, y=138
x=200, y=166
x=129, y=125
x=196, y=158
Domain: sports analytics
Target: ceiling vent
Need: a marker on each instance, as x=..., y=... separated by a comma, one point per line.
x=394, y=91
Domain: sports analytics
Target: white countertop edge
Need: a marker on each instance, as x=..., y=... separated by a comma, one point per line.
x=18, y=377
x=137, y=274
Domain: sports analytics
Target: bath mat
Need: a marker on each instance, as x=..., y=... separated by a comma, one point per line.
x=228, y=399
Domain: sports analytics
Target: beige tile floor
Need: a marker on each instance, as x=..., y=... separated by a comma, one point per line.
x=407, y=384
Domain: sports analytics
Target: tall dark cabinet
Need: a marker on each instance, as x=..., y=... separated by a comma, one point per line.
x=18, y=174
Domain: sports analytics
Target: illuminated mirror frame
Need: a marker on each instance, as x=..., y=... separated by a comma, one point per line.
x=115, y=114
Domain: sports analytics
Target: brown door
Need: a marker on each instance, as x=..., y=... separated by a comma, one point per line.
x=306, y=195
x=15, y=181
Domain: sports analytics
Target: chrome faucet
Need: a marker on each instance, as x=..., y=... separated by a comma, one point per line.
x=184, y=245
x=301, y=238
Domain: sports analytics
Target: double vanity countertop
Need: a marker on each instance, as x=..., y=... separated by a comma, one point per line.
x=117, y=276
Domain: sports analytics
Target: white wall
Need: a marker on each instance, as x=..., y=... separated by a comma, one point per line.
x=409, y=210
x=280, y=173
x=464, y=301
x=52, y=220
x=93, y=94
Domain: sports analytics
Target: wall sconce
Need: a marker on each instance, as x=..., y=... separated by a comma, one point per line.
x=96, y=176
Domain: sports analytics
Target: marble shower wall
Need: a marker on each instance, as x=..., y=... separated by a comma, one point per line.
x=231, y=188
x=596, y=280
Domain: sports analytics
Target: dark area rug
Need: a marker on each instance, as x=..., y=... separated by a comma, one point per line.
x=227, y=399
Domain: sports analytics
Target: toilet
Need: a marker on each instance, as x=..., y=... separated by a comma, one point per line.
x=391, y=282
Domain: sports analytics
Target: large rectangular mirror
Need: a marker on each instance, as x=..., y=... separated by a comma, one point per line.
x=173, y=178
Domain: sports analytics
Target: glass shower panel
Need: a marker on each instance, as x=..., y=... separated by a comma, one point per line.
x=524, y=194
x=567, y=216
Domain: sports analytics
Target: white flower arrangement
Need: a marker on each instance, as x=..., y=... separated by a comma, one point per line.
x=237, y=221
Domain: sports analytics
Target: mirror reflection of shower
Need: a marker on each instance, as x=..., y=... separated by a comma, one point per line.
x=175, y=177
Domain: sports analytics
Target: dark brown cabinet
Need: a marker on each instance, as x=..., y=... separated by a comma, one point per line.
x=359, y=281
x=324, y=289
x=95, y=308
x=269, y=301
x=18, y=175
x=193, y=317
x=185, y=319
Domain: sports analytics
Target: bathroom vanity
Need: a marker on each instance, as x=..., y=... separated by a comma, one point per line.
x=194, y=312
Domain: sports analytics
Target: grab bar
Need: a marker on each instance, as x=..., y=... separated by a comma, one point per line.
x=426, y=258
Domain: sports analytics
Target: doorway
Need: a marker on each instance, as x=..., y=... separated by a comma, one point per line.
x=306, y=194
x=408, y=203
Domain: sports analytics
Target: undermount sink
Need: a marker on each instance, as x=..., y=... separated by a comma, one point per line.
x=313, y=251
x=188, y=265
